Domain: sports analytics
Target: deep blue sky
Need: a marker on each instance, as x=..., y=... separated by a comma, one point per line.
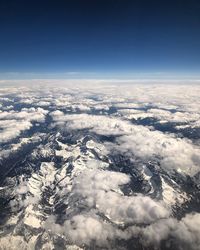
x=99, y=38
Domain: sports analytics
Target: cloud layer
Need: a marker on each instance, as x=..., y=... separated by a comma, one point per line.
x=102, y=166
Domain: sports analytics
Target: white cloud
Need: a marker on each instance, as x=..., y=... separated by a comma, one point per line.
x=184, y=232
x=100, y=189
x=12, y=128
x=173, y=153
x=97, y=212
x=99, y=192
x=13, y=123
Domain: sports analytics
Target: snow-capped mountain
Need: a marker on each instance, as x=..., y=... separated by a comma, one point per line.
x=100, y=168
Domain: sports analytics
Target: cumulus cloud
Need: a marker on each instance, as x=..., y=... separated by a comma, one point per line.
x=100, y=189
x=31, y=114
x=99, y=192
x=184, y=233
x=83, y=229
x=12, y=128
x=141, y=217
x=95, y=211
x=174, y=153
x=12, y=123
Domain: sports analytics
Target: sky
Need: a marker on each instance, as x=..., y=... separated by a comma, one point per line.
x=99, y=38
